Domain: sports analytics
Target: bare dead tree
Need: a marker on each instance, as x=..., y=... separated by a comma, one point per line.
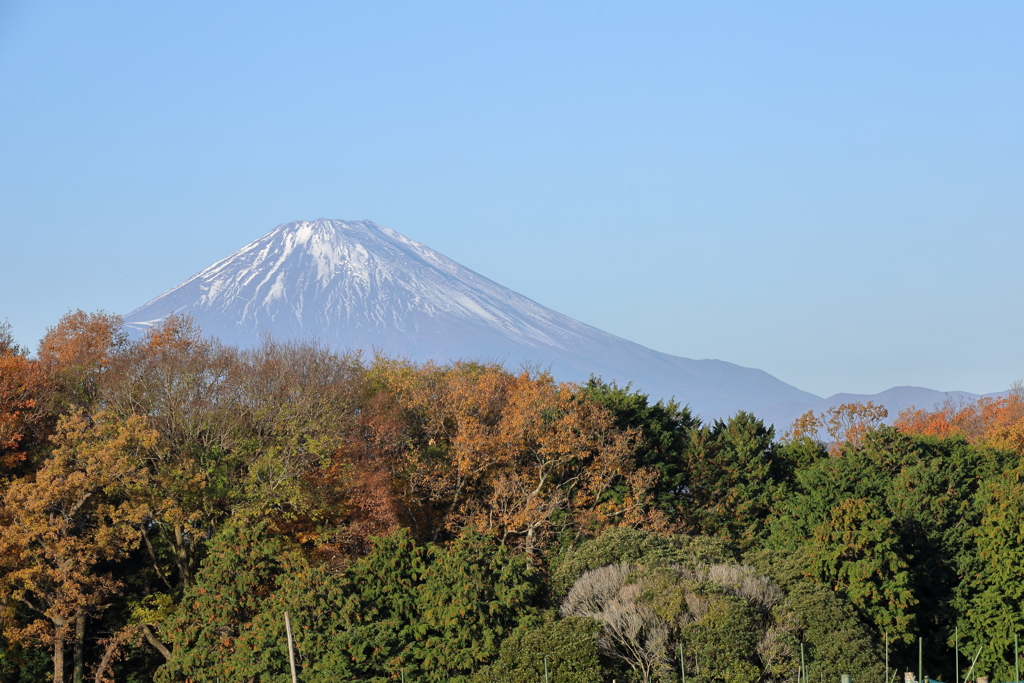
x=632, y=631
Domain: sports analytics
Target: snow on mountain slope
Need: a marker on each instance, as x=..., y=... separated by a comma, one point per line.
x=359, y=285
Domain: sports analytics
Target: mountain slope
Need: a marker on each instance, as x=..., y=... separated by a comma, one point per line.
x=358, y=285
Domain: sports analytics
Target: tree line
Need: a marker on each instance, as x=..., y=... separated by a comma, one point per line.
x=164, y=501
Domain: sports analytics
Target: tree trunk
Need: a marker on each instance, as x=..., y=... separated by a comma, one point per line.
x=155, y=642
x=79, y=669
x=58, y=657
x=152, y=555
x=181, y=554
x=108, y=656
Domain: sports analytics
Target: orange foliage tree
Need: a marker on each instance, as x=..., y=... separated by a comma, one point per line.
x=19, y=417
x=998, y=421
x=75, y=353
x=517, y=455
x=61, y=524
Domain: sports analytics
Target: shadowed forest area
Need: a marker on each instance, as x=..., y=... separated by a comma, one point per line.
x=165, y=501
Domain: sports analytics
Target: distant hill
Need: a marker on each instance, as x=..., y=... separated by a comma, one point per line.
x=358, y=285
x=895, y=400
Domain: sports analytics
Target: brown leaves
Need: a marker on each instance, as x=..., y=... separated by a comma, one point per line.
x=75, y=353
x=156, y=442
x=19, y=388
x=71, y=516
x=506, y=453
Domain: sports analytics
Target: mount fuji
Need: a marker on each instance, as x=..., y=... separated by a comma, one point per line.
x=359, y=285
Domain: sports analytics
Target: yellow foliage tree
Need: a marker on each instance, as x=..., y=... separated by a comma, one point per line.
x=63, y=522
x=845, y=423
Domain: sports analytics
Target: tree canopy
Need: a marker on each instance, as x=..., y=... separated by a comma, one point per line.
x=165, y=500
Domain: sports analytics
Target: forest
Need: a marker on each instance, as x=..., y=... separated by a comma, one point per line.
x=166, y=501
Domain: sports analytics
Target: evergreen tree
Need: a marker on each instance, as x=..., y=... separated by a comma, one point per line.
x=564, y=649
x=991, y=597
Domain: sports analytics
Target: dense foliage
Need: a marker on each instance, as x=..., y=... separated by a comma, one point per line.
x=166, y=501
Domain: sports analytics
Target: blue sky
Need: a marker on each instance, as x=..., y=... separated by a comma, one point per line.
x=831, y=192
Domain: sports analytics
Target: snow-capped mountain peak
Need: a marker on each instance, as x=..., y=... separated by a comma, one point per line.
x=356, y=284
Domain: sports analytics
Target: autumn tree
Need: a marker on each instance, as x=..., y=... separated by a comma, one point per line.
x=65, y=522
x=246, y=429
x=76, y=353
x=663, y=432
x=845, y=423
x=178, y=495
x=8, y=345
x=995, y=420
x=22, y=422
x=515, y=454
x=176, y=380
x=299, y=406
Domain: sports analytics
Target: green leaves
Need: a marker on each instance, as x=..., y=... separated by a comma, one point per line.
x=854, y=550
x=991, y=597
x=565, y=649
x=734, y=481
x=441, y=613
x=186, y=445
x=224, y=623
x=837, y=642
x=664, y=432
x=438, y=613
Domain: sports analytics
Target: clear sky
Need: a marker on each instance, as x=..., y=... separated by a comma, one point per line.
x=831, y=192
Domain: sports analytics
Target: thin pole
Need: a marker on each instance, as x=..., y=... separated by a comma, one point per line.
x=546, y=669
x=291, y=647
x=803, y=667
x=971, y=670
x=956, y=649
x=682, y=662
x=920, y=659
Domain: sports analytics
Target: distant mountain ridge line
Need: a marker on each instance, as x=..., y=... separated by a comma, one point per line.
x=356, y=284
x=895, y=400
